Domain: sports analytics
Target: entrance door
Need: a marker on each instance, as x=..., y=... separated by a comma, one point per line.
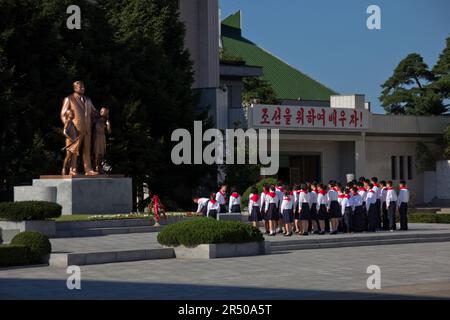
x=305, y=168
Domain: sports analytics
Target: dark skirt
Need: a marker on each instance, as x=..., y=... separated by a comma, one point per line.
x=348, y=219
x=314, y=215
x=358, y=219
x=288, y=216
x=372, y=220
x=335, y=210
x=296, y=212
x=255, y=215
x=272, y=212
x=236, y=208
x=223, y=208
x=322, y=214
x=213, y=214
x=304, y=213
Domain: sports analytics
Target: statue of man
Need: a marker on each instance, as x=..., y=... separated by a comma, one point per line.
x=83, y=115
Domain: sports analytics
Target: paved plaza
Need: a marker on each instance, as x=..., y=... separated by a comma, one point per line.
x=407, y=271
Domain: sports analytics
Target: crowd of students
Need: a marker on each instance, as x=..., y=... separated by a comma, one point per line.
x=363, y=205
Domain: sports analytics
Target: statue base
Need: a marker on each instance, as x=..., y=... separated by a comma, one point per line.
x=100, y=194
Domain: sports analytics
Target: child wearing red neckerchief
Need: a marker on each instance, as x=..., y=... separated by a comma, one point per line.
x=402, y=203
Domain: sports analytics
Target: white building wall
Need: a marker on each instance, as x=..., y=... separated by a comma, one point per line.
x=201, y=19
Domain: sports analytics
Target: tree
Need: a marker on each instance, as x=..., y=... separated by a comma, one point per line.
x=258, y=89
x=132, y=58
x=414, y=89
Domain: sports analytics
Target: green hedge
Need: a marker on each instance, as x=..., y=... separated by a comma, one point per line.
x=14, y=255
x=259, y=185
x=427, y=218
x=38, y=244
x=29, y=210
x=196, y=231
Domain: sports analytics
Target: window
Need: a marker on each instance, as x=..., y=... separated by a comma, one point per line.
x=402, y=167
x=393, y=167
x=410, y=168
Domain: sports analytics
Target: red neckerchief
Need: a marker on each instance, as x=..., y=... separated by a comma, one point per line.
x=291, y=193
x=362, y=189
x=346, y=196
x=212, y=201
x=341, y=196
x=272, y=194
x=375, y=185
x=304, y=191
x=279, y=188
x=355, y=194
x=322, y=192
x=235, y=195
x=389, y=188
x=254, y=197
x=287, y=198
x=371, y=191
x=222, y=193
x=403, y=188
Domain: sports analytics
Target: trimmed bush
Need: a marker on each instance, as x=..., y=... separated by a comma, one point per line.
x=38, y=244
x=191, y=233
x=29, y=210
x=13, y=255
x=427, y=218
x=259, y=185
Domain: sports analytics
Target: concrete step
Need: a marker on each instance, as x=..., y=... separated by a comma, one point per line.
x=287, y=246
x=96, y=232
x=63, y=260
x=361, y=237
x=444, y=211
x=77, y=225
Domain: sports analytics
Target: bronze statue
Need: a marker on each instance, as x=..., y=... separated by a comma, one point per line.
x=83, y=114
x=72, y=144
x=101, y=127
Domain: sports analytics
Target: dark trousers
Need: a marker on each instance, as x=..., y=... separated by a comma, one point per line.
x=372, y=218
x=348, y=220
x=378, y=213
x=327, y=224
x=391, y=215
x=403, y=212
x=384, y=208
x=358, y=219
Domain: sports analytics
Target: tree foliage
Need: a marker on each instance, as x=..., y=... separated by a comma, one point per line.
x=414, y=89
x=131, y=56
x=258, y=89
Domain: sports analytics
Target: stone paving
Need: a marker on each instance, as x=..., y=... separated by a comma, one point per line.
x=408, y=270
x=148, y=240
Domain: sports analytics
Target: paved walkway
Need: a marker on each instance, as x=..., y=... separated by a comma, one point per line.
x=407, y=271
x=148, y=240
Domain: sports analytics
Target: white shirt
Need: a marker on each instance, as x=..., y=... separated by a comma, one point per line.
x=303, y=197
x=201, y=204
x=391, y=195
x=235, y=199
x=377, y=191
x=322, y=199
x=313, y=198
x=371, y=198
x=362, y=193
x=263, y=199
x=332, y=195
x=383, y=194
x=286, y=204
x=346, y=202
x=252, y=203
x=212, y=206
x=271, y=199
x=220, y=198
x=403, y=196
x=280, y=193
x=357, y=200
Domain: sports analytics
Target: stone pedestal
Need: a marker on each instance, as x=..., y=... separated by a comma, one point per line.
x=102, y=194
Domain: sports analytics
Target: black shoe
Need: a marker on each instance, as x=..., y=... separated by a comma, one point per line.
x=305, y=234
x=321, y=233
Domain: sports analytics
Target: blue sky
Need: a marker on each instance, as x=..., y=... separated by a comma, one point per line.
x=329, y=40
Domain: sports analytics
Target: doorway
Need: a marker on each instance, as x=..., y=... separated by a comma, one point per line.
x=304, y=168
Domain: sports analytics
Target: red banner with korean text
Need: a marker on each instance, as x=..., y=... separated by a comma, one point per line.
x=296, y=117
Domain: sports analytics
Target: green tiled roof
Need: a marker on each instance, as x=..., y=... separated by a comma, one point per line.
x=288, y=82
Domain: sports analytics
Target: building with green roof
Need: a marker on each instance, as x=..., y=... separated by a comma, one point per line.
x=288, y=82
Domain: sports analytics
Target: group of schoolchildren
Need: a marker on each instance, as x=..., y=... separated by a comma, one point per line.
x=363, y=205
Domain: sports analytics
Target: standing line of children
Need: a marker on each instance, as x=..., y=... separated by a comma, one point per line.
x=363, y=205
